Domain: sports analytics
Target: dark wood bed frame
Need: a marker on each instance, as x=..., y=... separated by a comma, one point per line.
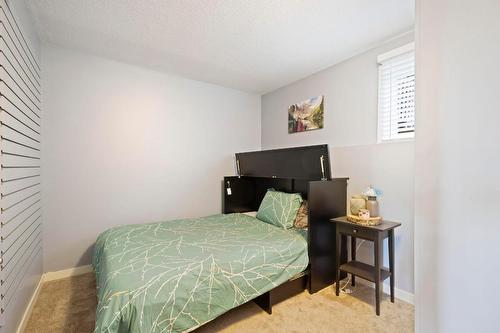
x=304, y=170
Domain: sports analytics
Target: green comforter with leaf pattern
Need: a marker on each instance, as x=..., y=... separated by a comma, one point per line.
x=175, y=276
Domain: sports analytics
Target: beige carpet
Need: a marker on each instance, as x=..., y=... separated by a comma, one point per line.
x=68, y=305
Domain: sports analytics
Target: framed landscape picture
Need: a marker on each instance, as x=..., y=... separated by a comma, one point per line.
x=306, y=115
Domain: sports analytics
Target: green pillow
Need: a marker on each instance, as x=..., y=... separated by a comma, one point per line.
x=279, y=208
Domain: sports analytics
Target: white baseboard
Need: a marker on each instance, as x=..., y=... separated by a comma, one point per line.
x=50, y=276
x=398, y=293
x=29, y=308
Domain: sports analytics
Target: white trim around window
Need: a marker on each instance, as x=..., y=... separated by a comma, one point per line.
x=396, y=100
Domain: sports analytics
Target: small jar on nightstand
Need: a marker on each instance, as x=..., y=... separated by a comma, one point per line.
x=372, y=206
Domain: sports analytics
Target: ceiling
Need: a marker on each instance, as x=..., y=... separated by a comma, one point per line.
x=252, y=45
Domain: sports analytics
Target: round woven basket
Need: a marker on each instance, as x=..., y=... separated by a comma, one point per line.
x=370, y=221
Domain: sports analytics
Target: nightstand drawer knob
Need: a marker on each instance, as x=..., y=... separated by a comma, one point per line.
x=355, y=230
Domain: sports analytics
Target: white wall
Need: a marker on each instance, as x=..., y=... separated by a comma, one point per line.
x=127, y=145
x=351, y=97
x=457, y=163
x=14, y=312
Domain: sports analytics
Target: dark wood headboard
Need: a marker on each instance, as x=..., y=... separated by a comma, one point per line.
x=295, y=170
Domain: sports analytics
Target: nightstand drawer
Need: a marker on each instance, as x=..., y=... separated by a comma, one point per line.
x=357, y=231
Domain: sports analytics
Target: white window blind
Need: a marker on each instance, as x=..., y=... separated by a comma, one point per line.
x=396, y=107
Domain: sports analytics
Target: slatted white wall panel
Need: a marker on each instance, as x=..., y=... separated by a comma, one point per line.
x=20, y=120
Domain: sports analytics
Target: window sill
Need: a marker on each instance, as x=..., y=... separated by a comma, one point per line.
x=396, y=141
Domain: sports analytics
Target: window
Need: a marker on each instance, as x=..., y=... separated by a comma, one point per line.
x=396, y=96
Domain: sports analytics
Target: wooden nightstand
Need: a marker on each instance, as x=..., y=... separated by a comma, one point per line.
x=375, y=273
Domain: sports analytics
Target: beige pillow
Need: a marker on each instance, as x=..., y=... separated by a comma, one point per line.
x=301, y=220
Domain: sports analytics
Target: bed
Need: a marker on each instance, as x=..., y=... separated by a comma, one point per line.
x=175, y=276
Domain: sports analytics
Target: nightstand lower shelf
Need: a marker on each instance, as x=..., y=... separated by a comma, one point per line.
x=364, y=271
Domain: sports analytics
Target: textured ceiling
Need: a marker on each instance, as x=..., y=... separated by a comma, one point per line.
x=252, y=45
